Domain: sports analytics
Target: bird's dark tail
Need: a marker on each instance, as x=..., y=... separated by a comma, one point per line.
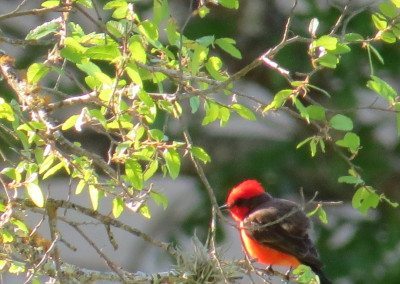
x=322, y=278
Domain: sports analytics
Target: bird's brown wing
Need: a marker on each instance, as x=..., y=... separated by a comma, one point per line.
x=288, y=235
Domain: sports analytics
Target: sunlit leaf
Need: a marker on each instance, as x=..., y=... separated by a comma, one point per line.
x=228, y=45
x=36, y=72
x=341, y=122
x=231, y=4
x=134, y=173
x=35, y=193
x=94, y=196
x=244, y=112
x=200, y=154
x=145, y=211
x=173, y=162
x=118, y=206
x=159, y=198
x=365, y=198
x=45, y=29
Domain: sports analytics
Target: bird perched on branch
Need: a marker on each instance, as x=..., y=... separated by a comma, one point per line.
x=273, y=231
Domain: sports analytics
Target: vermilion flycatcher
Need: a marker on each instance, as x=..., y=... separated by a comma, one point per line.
x=273, y=231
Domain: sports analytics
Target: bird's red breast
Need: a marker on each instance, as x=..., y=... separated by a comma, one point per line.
x=264, y=254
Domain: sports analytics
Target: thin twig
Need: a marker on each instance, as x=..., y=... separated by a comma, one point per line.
x=34, y=12
x=108, y=261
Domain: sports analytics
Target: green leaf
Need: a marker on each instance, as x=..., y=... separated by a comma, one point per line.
x=94, y=196
x=80, y=186
x=73, y=50
x=279, y=100
x=36, y=72
x=138, y=53
x=159, y=198
x=231, y=4
x=12, y=173
x=350, y=141
x=117, y=206
x=103, y=52
x=213, y=66
x=149, y=30
x=134, y=173
x=3, y=263
x=228, y=45
x=316, y=112
x=200, y=154
x=350, y=180
x=329, y=60
x=160, y=10
x=43, y=30
x=70, y=122
x=212, y=112
x=133, y=73
x=206, y=40
x=304, y=275
x=197, y=59
x=341, y=48
x=172, y=34
x=326, y=41
x=382, y=88
x=156, y=134
x=16, y=267
x=94, y=71
x=173, y=162
x=145, y=211
x=341, y=122
x=203, y=11
x=6, y=111
x=396, y=3
x=21, y=226
x=6, y=236
x=302, y=109
x=302, y=143
x=53, y=170
x=121, y=8
x=376, y=53
x=46, y=163
x=35, y=193
x=379, y=21
x=224, y=114
x=388, y=9
x=151, y=170
x=388, y=36
x=50, y=3
x=313, y=147
x=365, y=198
x=323, y=217
x=244, y=112
x=352, y=37
x=116, y=28
x=194, y=104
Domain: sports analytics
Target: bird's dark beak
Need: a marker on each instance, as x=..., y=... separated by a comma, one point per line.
x=224, y=207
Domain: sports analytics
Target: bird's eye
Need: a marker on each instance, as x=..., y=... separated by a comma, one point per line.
x=240, y=202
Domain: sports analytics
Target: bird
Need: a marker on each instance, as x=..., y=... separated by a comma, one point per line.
x=273, y=231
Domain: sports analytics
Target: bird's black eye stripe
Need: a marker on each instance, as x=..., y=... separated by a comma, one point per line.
x=241, y=202
x=251, y=202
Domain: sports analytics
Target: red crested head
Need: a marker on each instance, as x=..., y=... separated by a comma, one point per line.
x=243, y=197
